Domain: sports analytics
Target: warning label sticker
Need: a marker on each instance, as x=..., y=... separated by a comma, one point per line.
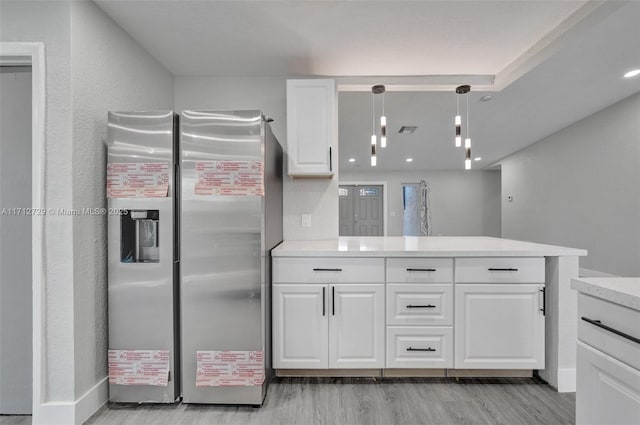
x=139, y=367
x=230, y=178
x=229, y=368
x=137, y=180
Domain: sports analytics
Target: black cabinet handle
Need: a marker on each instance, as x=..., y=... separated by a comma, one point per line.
x=330, y=162
x=544, y=301
x=421, y=270
x=491, y=269
x=327, y=270
x=599, y=324
x=421, y=349
x=333, y=300
x=421, y=306
x=323, y=300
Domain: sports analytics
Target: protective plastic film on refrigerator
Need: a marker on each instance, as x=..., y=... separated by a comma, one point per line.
x=231, y=217
x=142, y=257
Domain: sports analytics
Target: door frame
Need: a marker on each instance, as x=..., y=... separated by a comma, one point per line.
x=384, y=197
x=32, y=54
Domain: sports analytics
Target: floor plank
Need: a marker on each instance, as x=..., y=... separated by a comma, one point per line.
x=366, y=401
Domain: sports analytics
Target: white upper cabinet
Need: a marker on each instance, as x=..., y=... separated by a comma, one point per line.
x=312, y=127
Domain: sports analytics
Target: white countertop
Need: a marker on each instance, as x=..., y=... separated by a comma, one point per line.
x=424, y=246
x=620, y=290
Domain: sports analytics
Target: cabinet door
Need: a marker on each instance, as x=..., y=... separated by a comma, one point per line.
x=499, y=326
x=311, y=127
x=300, y=326
x=607, y=390
x=356, y=326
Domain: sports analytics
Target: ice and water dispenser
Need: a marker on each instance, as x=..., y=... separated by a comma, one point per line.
x=139, y=230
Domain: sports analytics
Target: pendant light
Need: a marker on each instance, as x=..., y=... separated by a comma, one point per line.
x=467, y=142
x=380, y=89
x=458, y=119
x=373, y=128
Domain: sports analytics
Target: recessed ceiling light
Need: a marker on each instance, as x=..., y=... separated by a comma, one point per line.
x=632, y=73
x=407, y=129
x=352, y=160
x=477, y=158
x=409, y=159
x=486, y=98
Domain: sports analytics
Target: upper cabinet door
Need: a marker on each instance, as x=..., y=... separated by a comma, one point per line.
x=312, y=127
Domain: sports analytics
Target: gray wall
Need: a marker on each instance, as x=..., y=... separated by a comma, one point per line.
x=15, y=241
x=110, y=71
x=579, y=187
x=92, y=66
x=49, y=22
x=463, y=203
x=317, y=197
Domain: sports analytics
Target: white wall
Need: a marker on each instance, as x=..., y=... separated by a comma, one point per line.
x=92, y=66
x=15, y=242
x=49, y=22
x=110, y=71
x=463, y=203
x=316, y=197
x=579, y=188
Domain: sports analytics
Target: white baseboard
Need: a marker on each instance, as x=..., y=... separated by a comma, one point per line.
x=566, y=380
x=77, y=412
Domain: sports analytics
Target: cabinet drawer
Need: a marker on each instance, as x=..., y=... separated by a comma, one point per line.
x=328, y=270
x=415, y=304
x=420, y=347
x=616, y=318
x=420, y=270
x=500, y=270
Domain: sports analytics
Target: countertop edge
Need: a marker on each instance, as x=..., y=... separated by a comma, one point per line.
x=591, y=286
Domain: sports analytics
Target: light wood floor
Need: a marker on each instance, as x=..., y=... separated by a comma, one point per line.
x=368, y=401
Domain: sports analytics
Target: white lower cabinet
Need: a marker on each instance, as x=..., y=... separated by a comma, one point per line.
x=420, y=347
x=338, y=326
x=499, y=326
x=608, y=391
x=300, y=327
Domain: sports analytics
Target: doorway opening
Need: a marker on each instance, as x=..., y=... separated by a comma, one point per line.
x=361, y=210
x=410, y=209
x=16, y=325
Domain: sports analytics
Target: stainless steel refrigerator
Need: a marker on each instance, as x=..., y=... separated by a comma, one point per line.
x=142, y=257
x=231, y=217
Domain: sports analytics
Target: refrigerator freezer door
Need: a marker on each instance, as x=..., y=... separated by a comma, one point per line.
x=222, y=276
x=141, y=260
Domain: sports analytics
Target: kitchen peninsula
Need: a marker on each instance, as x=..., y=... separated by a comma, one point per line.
x=405, y=306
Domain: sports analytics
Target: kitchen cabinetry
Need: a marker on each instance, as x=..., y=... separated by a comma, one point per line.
x=608, y=352
x=499, y=326
x=338, y=324
x=312, y=127
x=419, y=313
x=300, y=327
x=409, y=313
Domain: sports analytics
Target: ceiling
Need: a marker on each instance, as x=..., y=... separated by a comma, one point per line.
x=547, y=63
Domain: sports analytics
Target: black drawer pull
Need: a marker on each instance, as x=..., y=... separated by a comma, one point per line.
x=421, y=306
x=421, y=349
x=502, y=270
x=327, y=270
x=323, y=300
x=333, y=300
x=615, y=331
x=421, y=270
